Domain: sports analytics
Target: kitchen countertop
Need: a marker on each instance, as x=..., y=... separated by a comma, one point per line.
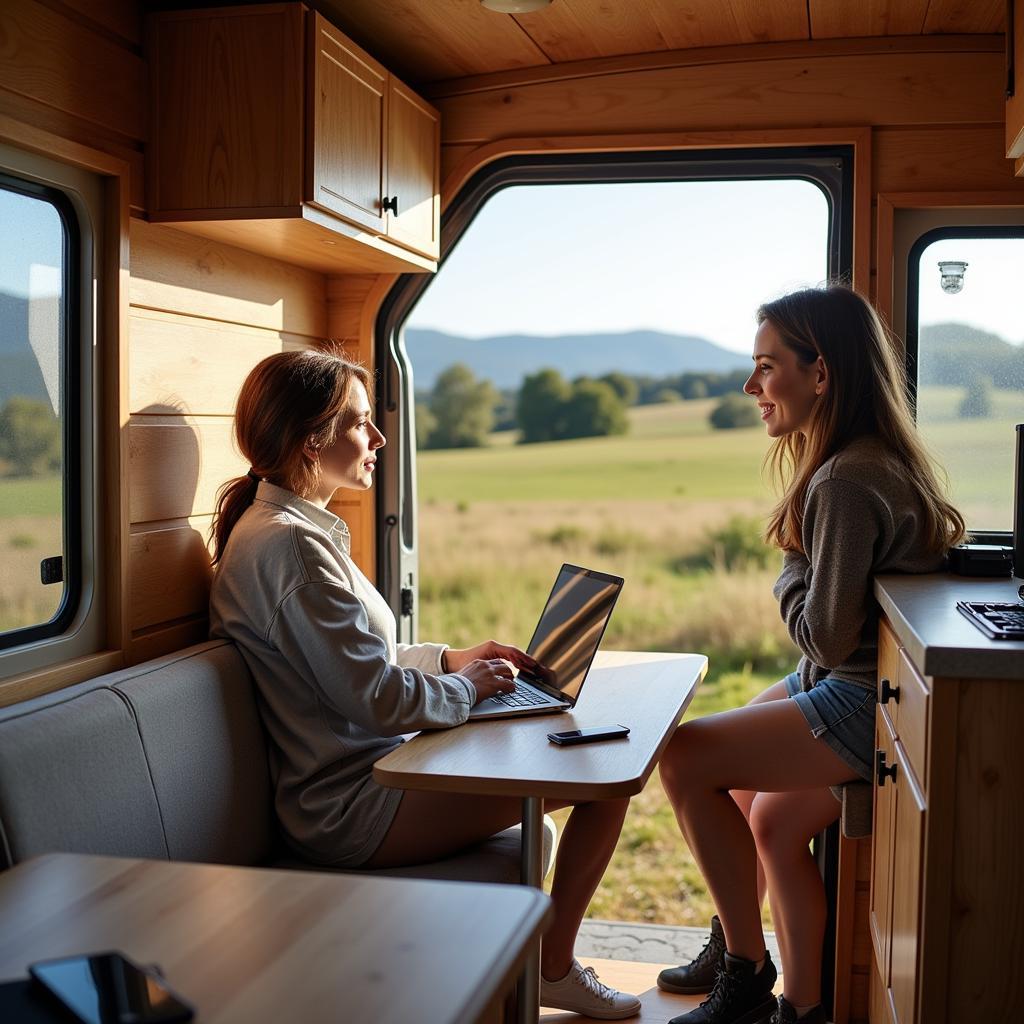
x=939, y=639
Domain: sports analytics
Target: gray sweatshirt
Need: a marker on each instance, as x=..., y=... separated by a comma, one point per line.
x=334, y=689
x=862, y=518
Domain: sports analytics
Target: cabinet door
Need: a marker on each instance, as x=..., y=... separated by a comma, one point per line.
x=879, y=913
x=346, y=172
x=908, y=851
x=414, y=141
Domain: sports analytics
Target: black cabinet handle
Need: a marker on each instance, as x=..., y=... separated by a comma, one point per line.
x=889, y=692
x=391, y=203
x=884, y=772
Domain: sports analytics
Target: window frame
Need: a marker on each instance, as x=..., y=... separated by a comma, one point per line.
x=913, y=325
x=397, y=566
x=71, y=391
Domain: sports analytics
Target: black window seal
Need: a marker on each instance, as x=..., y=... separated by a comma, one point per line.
x=912, y=341
x=71, y=385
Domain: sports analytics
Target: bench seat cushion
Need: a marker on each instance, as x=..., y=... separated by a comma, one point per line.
x=165, y=760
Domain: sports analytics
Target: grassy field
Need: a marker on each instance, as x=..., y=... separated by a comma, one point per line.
x=495, y=524
x=30, y=530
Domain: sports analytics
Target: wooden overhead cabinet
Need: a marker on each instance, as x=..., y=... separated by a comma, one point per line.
x=330, y=162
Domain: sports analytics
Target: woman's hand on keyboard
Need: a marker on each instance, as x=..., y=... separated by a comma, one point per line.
x=455, y=660
x=489, y=676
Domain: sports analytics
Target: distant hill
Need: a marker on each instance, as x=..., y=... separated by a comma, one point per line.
x=950, y=353
x=507, y=359
x=946, y=350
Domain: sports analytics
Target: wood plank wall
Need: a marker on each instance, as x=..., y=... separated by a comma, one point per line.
x=202, y=315
x=76, y=69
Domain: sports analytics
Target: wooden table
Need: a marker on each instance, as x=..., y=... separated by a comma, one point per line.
x=254, y=945
x=512, y=756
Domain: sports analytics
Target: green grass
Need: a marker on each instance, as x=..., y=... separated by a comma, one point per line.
x=31, y=496
x=670, y=452
x=495, y=523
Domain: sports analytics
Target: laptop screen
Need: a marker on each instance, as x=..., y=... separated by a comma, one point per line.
x=571, y=626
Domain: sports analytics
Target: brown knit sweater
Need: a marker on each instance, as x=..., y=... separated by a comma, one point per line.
x=862, y=518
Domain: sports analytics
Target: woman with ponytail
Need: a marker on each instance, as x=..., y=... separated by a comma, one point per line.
x=752, y=787
x=335, y=690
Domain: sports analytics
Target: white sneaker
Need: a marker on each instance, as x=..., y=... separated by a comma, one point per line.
x=580, y=992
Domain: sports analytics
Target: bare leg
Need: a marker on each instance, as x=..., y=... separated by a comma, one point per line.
x=783, y=825
x=763, y=748
x=433, y=825
x=744, y=798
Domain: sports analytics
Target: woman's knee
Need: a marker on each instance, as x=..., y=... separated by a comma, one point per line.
x=680, y=764
x=776, y=836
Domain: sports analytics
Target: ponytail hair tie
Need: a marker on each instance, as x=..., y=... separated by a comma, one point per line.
x=253, y=475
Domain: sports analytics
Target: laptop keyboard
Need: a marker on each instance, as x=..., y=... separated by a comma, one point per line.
x=521, y=697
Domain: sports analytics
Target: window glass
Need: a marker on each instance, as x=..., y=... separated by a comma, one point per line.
x=32, y=410
x=970, y=368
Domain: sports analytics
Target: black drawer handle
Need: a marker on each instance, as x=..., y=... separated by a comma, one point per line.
x=889, y=692
x=884, y=771
x=391, y=203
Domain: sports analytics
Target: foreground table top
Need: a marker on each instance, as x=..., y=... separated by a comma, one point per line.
x=257, y=945
x=512, y=757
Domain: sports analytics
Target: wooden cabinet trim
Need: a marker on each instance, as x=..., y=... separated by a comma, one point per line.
x=912, y=730
x=1015, y=103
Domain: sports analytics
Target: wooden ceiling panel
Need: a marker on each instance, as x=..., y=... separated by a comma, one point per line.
x=431, y=40
x=580, y=29
x=426, y=42
x=686, y=24
x=833, y=19
x=768, y=21
x=950, y=16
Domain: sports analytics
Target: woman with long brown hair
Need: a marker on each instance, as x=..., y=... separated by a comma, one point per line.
x=335, y=690
x=751, y=787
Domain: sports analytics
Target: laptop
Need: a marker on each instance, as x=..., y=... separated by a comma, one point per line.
x=564, y=644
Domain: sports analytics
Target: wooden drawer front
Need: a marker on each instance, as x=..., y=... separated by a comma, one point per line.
x=908, y=852
x=888, y=671
x=912, y=728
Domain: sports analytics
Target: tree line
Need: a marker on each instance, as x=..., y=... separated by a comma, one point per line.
x=30, y=438
x=461, y=410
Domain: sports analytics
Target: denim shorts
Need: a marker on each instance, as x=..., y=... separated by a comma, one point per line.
x=843, y=716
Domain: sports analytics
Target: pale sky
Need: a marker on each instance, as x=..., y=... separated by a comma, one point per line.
x=680, y=257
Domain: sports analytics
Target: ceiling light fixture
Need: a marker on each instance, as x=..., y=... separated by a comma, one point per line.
x=515, y=6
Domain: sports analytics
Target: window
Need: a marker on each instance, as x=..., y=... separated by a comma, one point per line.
x=51, y=584
x=38, y=468
x=964, y=354
x=826, y=173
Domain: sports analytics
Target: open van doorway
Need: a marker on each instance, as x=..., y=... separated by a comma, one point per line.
x=576, y=368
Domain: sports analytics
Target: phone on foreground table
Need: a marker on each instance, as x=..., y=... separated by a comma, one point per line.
x=107, y=988
x=571, y=737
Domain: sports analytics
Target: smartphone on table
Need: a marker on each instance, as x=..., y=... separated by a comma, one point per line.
x=602, y=732
x=107, y=988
